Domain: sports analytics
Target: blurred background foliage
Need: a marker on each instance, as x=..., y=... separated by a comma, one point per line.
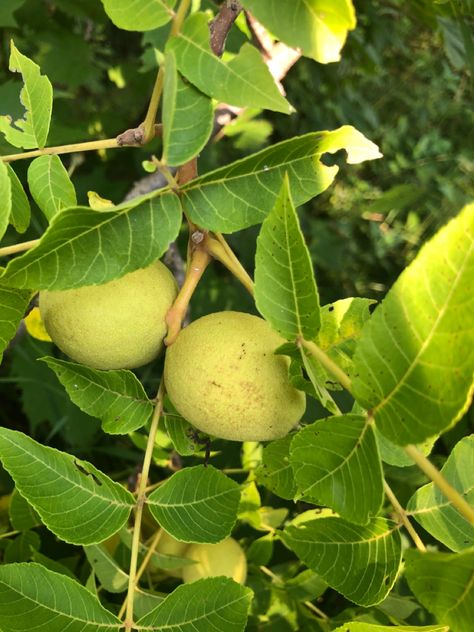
x=405, y=81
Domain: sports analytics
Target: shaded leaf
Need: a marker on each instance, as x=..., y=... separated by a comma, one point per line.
x=86, y=247
x=75, y=500
x=336, y=463
x=188, y=116
x=196, y=504
x=360, y=562
x=244, y=81
x=210, y=604
x=395, y=455
x=414, y=364
x=243, y=193
x=115, y=397
x=22, y=547
x=443, y=583
x=32, y=597
x=318, y=27
x=436, y=513
x=5, y=198
x=275, y=472
x=13, y=304
x=285, y=289
x=109, y=573
x=21, y=211
x=360, y=626
x=36, y=96
x=139, y=15
x=22, y=514
x=181, y=433
x=50, y=185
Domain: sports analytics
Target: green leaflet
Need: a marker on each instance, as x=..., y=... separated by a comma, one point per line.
x=32, y=597
x=109, y=573
x=275, y=472
x=318, y=27
x=443, y=583
x=188, y=116
x=50, y=185
x=360, y=562
x=13, y=304
x=22, y=515
x=75, y=500
x=139, y=15
x=435, y=512
x=243, y=193
x=20, y=211
x=414, y=364
x=244, y=81
x=196, y=504
x=210, y=604
x=285, y=290
x=336, y=463
x=115, y=397
x=86, y=247
x=359, y=626
x=5, y=198
x=36, y=96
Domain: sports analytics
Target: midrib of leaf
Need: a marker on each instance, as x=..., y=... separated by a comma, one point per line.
x=74, y=483
x=204, y=616
x=106, y=389
x=440, y=316
x=254, y=87
x=469, y=585
x=290, y=268
x=191, y=502
x=344, y=461
x=65, y=614
x=417, y=512
x=375, y=538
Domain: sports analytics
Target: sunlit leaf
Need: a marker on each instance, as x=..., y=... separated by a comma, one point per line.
x=243, y=193
x=318, y=27
x=75, y=500
x=443, y=583
x=336, y=463
x=50, y=185
x=5, y=198
x=275, y=472
x=196, y=504
x=36, y=96
x=21, y=211
x=244, y=81
x=285, y=289
x=109, y=573
x=32, y=597
x=414, y=364
x=360, y=562
x=86, y=247
x=430, y=507
x=115, y=397
x=188, y=116
x=139, y=15
x=360, y=626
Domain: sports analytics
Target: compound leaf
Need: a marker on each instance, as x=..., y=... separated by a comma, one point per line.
x=196, y=504
x=75, y=500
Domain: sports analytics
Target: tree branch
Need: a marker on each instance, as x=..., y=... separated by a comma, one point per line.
x=221, y=25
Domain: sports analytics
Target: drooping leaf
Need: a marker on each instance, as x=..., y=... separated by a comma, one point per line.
x=436, y=513
x=315, y=382
x=109, y=573
x=275, y=472
x=318, y=27
x=36, y=96
x=32, y=597
x=5, y=198
x=86, y=247
x=196, y=504
x=360, y=626
x=21, y=548
x=360, y=562
x=395, y=455
x=243, y=193
x=336, y=463
x=215, y=603
x=13, y=304
x=285, y=289
x=75, y=500
x=139, y=15
x=115, y=397
x=244, y=81
x=443, y=583
x=187, y=116
x=21, y=211
x=22, y=514
x=414, y=364
x=50, y=185
x=181, y=434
